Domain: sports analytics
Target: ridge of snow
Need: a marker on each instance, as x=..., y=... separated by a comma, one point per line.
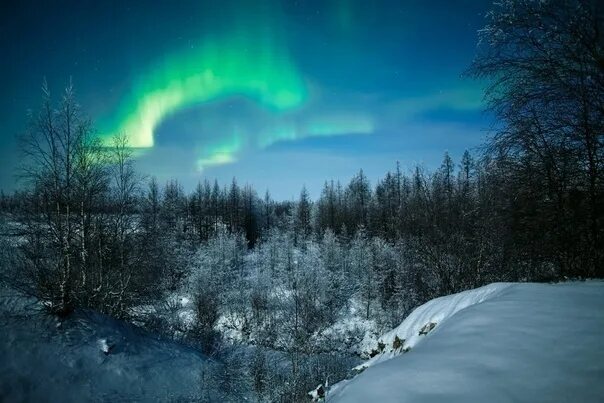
x=435, y=311
x=526, y=343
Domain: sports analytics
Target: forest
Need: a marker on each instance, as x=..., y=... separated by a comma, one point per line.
x=284, y=292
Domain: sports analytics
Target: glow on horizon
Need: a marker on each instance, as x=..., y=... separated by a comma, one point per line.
x=226, y=149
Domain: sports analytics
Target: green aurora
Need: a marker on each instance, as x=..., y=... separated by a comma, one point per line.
x=273, y=92
x=250, y=61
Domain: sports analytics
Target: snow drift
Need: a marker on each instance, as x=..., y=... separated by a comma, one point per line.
x=424, y=320
x=498, y=343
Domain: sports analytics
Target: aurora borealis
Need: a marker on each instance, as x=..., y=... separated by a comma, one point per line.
x=221, y=67
x=269, y=91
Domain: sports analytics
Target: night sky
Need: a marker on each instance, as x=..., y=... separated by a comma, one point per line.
x=277, y=94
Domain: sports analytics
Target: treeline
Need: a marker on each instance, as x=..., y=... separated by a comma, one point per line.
x=465, y=224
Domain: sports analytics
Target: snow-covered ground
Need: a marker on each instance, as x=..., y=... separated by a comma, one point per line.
x=91, y=357
x=498, y=343
x=422, y=321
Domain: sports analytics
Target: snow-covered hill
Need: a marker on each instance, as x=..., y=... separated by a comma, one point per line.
x=91, y=357
x=498, y=343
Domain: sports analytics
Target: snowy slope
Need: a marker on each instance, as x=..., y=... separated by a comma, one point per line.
x=499, y=343
x=91, y=357
x=434, y=312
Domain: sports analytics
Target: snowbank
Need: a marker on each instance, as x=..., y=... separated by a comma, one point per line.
x=424, y=320
x=499, y=343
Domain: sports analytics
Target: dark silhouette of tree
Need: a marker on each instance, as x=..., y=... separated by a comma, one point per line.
x=545, y=63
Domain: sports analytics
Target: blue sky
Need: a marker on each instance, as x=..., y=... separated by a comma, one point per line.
x=309, y=91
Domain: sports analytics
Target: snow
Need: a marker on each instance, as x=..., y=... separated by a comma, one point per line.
x=434, y=312
x=499, y=343
x=176, y=310
x=317, y=394
x=104, y=346
x=91, y=357
x=352, y=331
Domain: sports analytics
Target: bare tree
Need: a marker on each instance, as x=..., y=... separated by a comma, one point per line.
x=545, y=60
x=57, y=158
x=125, y=190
